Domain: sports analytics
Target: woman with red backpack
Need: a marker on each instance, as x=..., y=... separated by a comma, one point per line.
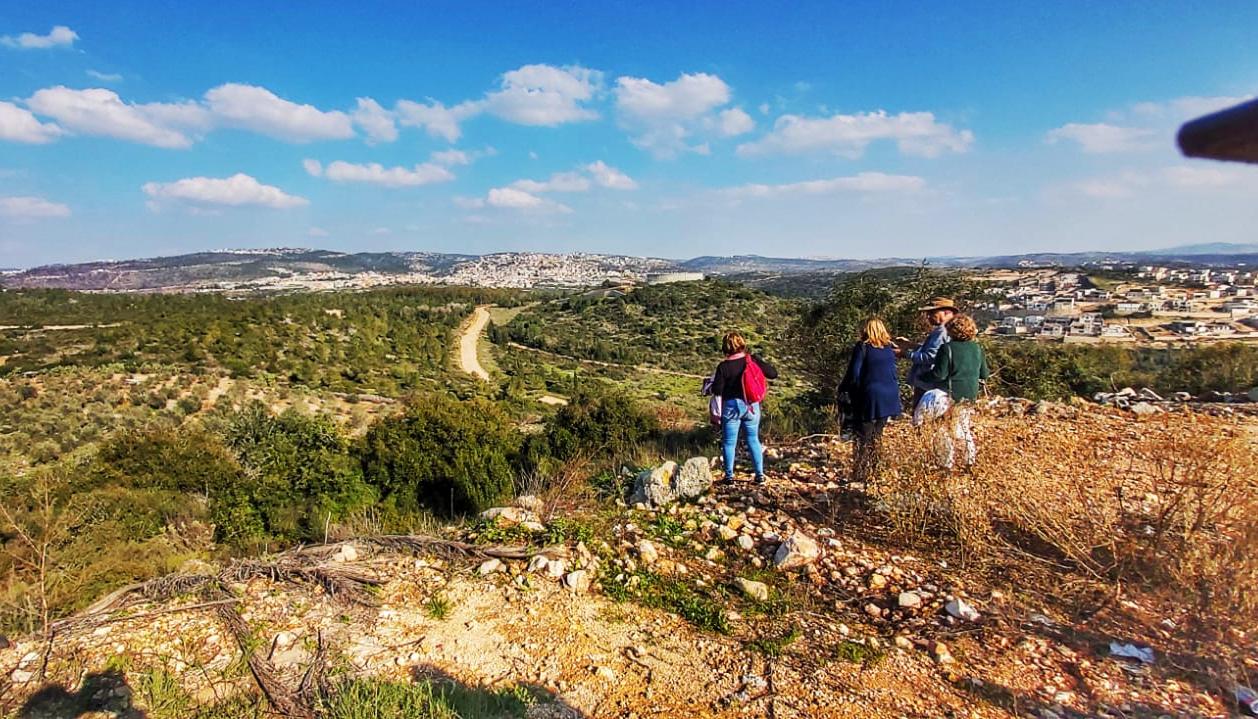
x=738, y=385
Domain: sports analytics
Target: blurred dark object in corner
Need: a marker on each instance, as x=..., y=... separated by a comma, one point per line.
x=1230, y=134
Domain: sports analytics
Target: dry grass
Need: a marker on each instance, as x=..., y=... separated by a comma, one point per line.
x=1161, y=506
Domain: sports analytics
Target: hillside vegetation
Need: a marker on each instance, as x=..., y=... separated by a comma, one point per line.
x=675, y=326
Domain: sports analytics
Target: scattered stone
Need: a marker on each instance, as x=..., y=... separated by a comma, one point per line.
x=910, y=600
x=942, y=655
x=490, y=566
x=758, y=591
x=21, y=676
x=654, y=487
x=607, y=674
x=694, y=479
x=873, y=610
x=647, y=552
x=961, y=610
x=726, y=534
x=578, y=581
x=284, y=640
x=347, y=553
x=510, y=516
x=538, y=563
x=1144, y=409
x=797, y=551
x=555, y=568
x=877, y=581
x=903, y=642
x=745, y=542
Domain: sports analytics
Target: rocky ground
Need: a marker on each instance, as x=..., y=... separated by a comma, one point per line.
x=781, y=600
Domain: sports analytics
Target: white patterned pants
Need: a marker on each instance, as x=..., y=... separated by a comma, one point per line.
x=957, y=427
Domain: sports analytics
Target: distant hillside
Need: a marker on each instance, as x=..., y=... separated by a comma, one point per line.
x=322, y=269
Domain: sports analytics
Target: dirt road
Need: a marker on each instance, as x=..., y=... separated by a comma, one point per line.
x=468, y=361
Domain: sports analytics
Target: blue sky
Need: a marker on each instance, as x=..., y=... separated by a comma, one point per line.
x=134, y=128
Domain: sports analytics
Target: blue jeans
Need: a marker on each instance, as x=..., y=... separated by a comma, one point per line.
x=734, y=414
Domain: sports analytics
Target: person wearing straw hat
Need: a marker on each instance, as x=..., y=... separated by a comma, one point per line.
x=939, y=311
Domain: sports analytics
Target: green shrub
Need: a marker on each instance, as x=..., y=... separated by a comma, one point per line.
x=602, y=423
x=442, y=455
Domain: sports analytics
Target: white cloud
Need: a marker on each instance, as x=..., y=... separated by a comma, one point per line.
x=235, y=191
x=1183, y=108
x=97, y=111
x=1101, y=138
x=255, y=108
x=1173, y=178
x=17, y=124
x=1207, y=177
x=104, y=76
x=734, y=121
x=558, y=182
x=59, y=36
x=544, y=95
x=450, y=158
x=375, y=121
x=435, y=118
x=865, y=182
x=31, y=208
x=515, y=199
x=915, y=133
x=607, y=176
x=662, y=117
x=469, y=203
x=377, y=174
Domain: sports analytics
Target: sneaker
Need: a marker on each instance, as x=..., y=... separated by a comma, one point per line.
x=761, y=479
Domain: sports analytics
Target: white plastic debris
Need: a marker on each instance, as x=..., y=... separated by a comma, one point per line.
x=1144, y=655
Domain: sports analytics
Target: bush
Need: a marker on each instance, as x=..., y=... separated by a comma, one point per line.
x=441, y=455
x=596, y=422
x=302, y=472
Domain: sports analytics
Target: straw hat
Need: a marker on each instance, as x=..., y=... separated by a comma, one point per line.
x=939, y=303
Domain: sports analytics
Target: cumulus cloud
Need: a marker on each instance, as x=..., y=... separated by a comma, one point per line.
x=865, y=182
x=239, y=190
x=435, y=118
x=915, y=133
x=101, y=112
x=580, y=180
x=607, y=176
x=375, y=121
x=662, y=118
x=377, y=174
x=450, y=158
x=258, y=109
x=1101, y=138
x=59, y=36
x=544, y=95
x=515, y=199
x=31, y=208
x=17, y=124
x=558, y=182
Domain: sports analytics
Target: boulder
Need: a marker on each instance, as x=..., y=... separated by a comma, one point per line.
x=1144, y=409
x=694, y=479
x=529, y=502
x=654, y=487
x=539, y=564
x=758, y=591
x=346, y=553
x=490, y=566
x=799, y=550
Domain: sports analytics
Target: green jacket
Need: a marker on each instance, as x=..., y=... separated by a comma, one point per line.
x=958, y=368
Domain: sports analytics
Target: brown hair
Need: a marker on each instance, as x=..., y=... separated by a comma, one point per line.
x=875, y=333
x=733, y=343
x=962, y=328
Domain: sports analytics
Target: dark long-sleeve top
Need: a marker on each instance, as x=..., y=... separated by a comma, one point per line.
x=727, y=382
x=958, y=368
x=872, y=382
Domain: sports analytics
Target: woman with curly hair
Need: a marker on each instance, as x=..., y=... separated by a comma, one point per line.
x=959, y=368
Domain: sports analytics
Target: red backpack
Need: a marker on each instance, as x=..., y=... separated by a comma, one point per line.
x=755, y=386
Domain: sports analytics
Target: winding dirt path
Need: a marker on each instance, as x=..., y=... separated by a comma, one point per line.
x=468, y=361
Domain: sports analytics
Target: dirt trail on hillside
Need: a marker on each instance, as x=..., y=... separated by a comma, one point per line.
x=469, y=362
